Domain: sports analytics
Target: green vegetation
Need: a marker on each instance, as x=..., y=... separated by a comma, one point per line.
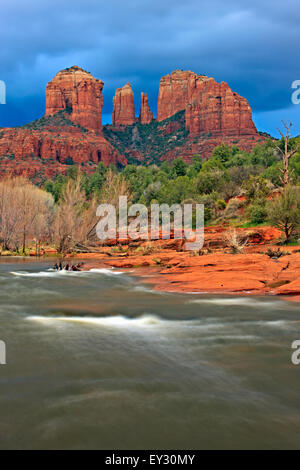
x=232, y=193
x=9, y=156
x=55, y=121
x=236, y=187
x=74, y=68
x=284, y=212
x=152, y=140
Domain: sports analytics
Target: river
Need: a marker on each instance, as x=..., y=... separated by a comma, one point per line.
x=97, y=360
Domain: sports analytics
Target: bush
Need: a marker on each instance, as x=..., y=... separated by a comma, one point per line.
x=220, y=204
x=232, y=208
x=284, y=212
x=257, y=212
x=69, y=161
x=256, y=188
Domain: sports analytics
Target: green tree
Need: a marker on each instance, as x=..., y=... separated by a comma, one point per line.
x=209, y=181
x=176, y=191
x=195, y=167
x=256, y=188
x=284, y=212
x=222, y=152
x=180, y=167
x=272, y=173
x=257, y=212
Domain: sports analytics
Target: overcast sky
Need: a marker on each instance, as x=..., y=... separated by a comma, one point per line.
x=252, y=45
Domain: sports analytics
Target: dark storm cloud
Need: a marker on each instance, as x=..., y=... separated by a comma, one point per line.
x=251, y=45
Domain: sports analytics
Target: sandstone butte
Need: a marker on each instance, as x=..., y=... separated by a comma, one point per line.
x=146, y=115
x=123, y=107
x=209, y=106
x=78, y=91
x=71, y=131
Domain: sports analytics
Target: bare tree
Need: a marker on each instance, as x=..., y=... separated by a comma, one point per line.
x=9, y=213
x=115, y=185
x=34, y=205
x=75, y=218
x=24, y=212
x=286, y=153
x=68, y=217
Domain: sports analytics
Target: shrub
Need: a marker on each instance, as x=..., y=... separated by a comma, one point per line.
x=235, y=241
x=284, y=212
x=69, y=161
x=257, y=212
x=232, y=208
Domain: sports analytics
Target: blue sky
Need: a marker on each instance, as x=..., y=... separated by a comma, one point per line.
x=252, y=45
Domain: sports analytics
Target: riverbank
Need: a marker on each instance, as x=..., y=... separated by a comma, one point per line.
x=214, y=269
x=168, y=267
x=254, y=274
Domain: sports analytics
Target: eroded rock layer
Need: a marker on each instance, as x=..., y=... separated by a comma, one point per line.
x=48, y=151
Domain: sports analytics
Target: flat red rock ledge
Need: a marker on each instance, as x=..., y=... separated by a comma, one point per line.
x=242, y=274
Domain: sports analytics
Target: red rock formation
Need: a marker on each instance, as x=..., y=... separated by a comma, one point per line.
x=79, y=91
x=146, y=115
x=214, y=108
x=123, y=111
x=70, y=132
x=210, y=107
x=49, y=151
x=214, y=114
x=173, y=93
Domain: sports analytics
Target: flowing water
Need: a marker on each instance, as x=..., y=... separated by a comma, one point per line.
x=97, y=360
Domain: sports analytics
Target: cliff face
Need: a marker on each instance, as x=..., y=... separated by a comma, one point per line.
x=173, y=93
x=214, y=108
x=123, y=107
x=210, y=107
x=45, y=150
x=146, y=115
x=78, y=91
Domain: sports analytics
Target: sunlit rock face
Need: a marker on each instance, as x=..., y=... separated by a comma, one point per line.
x=210, y=106
x=123, y=107
x=173, y=93
x=78, y=91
